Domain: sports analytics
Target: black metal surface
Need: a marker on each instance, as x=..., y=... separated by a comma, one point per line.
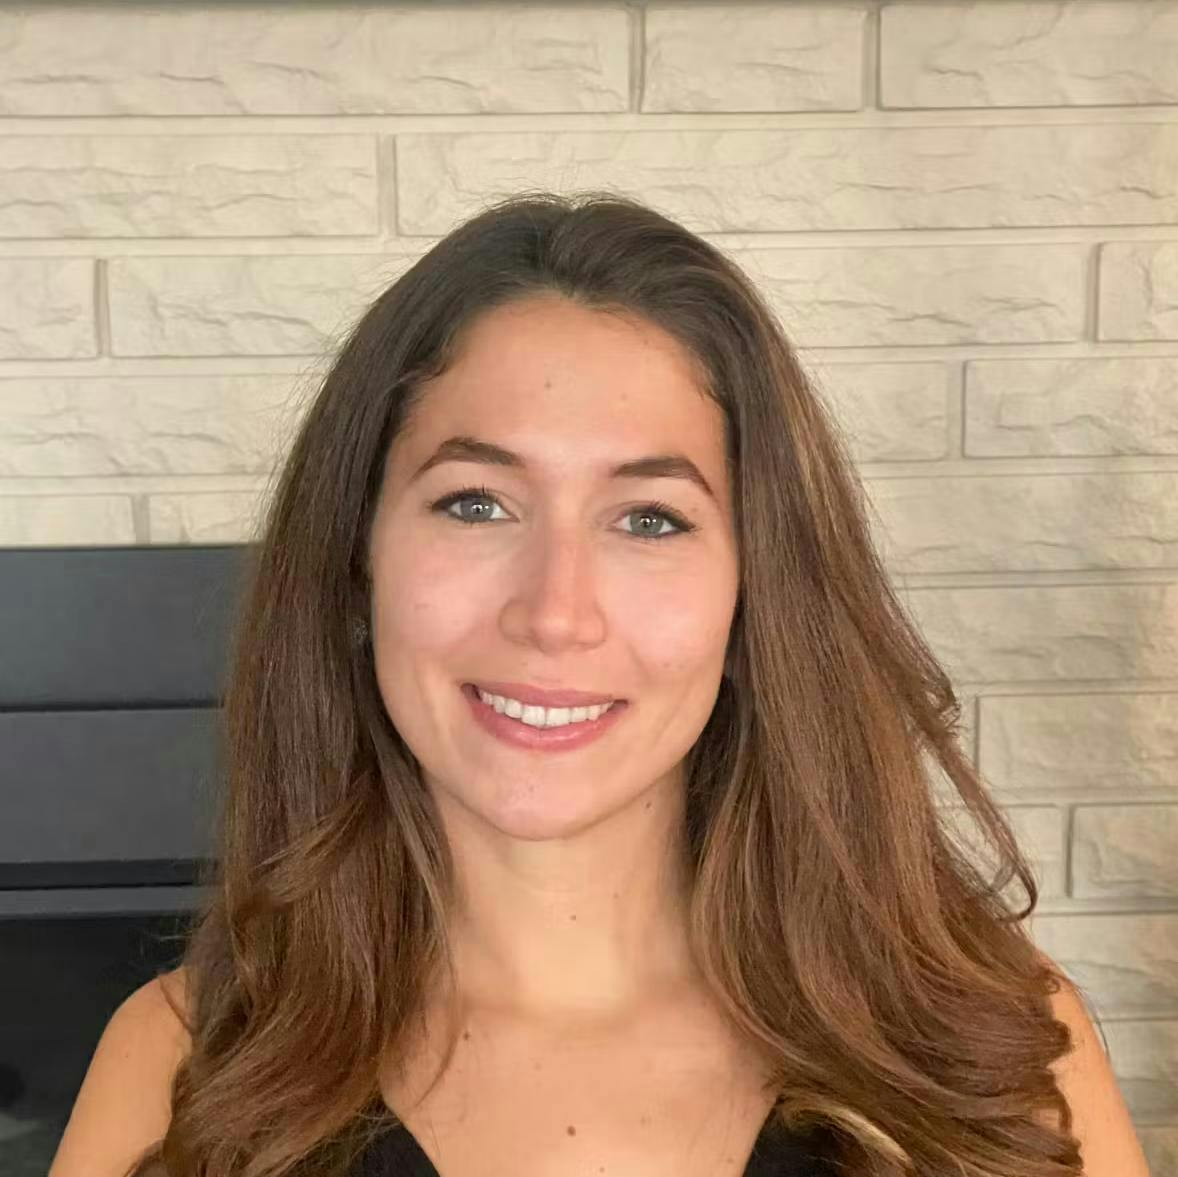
x=112, y=664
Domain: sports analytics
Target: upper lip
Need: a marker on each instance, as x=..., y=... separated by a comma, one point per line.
x=539, y=697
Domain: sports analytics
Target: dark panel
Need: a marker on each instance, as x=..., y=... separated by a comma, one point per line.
x=61, y=981
x=94, y=627
x=61, y=902
x=103, y=872
x=86, y=787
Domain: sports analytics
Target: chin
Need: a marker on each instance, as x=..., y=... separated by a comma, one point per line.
x=532, y=819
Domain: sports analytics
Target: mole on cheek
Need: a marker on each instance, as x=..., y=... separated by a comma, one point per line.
x=572, y=1131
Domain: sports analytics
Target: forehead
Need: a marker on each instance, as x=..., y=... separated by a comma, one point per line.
x=566, y=386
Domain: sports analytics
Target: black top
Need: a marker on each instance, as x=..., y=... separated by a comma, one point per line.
x=777, y=1152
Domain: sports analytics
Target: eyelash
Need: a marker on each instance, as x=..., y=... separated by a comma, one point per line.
x=654, y=508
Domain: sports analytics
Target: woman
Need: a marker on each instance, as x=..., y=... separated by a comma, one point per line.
x=578, y=814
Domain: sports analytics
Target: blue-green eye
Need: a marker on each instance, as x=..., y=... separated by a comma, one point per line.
x=680, y=525
x=459, y=496
x=657, y=511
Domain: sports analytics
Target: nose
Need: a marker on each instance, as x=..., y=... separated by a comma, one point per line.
x=555, y=602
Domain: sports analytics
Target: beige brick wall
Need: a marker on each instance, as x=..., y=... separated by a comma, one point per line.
x=965, y=214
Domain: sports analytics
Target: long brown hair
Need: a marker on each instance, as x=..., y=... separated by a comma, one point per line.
x=889, y=980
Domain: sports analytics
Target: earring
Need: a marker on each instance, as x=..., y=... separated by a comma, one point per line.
x=359, y=631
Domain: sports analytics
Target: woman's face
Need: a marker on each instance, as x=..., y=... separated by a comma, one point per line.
x=561, y=576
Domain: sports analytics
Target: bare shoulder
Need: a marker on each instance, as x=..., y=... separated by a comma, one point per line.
x=124, y=1103
x=1109, y=1145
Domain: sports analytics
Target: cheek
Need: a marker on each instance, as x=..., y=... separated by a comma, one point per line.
x=438, y=599
x=680, y=624
x=428, y=619
x=425, y=602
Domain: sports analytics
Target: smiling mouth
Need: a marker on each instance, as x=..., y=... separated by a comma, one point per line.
x=528, y=696
x=535, y=715
x=537, y=729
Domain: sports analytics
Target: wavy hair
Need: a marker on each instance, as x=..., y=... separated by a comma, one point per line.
x=889, y=980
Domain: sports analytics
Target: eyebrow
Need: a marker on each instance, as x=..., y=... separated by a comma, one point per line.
x=471, y=449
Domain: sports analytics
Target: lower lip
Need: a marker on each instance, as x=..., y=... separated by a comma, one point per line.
x=549, y=739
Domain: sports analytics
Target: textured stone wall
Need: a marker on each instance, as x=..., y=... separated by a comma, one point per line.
x=966, y=215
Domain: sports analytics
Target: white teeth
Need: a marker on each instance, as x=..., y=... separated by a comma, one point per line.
x=541, y=716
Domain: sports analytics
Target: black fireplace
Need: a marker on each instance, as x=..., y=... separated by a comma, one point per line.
x=110, y=682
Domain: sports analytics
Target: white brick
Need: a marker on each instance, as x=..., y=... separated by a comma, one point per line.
x=213, y=518
x=924, y=295
x=1081, y=407
x=716, y=57
x=1029, y=54
x=1039, y=830
x=1125, y=850
x=47, y=308
x=263, y=305
x=187, y=186
x=1027, y=523
x=1112, y=631
x=1161, y=1148
x=943, y=788
x=1084, y=744
x=145, y=424
x=303, y=59
x=63, y=520
x=888, y=412
x=1144, y=1057
x=1127, y=964
x=1139, y=286
x=880, y=177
